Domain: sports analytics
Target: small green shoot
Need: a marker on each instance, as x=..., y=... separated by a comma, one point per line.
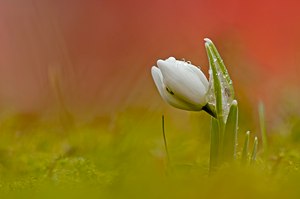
x=262, y=122
x=222, y=90
x=254, y=151
x=230, y=134
x=245, y=148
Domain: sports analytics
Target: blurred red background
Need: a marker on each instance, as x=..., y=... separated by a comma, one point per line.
x=100, y=52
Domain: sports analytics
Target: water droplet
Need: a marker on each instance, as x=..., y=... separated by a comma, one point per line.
x=171, y=59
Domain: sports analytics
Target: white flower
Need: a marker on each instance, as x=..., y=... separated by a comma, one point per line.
x=181, y=84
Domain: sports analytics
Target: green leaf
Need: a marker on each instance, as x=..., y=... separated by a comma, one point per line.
x=216, y=82
x=230, y=133
x=221, y=64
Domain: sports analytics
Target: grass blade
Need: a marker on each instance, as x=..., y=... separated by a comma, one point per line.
x=262, y=123
x=230, y=133
x=245, y=148
x=165, y=139
x=254, y=151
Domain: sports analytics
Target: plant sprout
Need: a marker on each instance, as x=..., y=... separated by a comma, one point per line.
x=184, y=86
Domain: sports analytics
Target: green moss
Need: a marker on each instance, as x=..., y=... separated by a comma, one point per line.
x=127, y=159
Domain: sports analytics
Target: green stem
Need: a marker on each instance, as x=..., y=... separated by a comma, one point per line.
x=214, y=145
x=210, y=109
x=165, y=139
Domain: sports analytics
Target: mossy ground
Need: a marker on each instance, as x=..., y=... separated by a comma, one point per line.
x=124, y=157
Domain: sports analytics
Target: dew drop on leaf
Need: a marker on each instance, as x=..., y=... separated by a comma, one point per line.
x=227, y=96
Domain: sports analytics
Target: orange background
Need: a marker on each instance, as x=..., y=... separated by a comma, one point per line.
x=101, y=51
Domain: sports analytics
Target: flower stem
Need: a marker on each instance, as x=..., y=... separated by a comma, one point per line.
x=214, y=145
x=210, y=109
x=165, y=139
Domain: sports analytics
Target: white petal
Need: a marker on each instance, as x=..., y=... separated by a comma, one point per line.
x=158, y=78
x=169, y=98
x=185, y=80
x=201, y=75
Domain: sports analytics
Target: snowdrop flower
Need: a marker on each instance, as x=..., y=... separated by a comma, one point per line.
x=181, y=84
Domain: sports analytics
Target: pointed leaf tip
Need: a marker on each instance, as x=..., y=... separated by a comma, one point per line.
x=207, y=40
x=234, y=103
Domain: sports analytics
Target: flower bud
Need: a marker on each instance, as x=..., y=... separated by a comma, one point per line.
x=180, y=84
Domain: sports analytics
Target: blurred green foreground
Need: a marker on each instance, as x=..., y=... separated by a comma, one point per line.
x=124, y=157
